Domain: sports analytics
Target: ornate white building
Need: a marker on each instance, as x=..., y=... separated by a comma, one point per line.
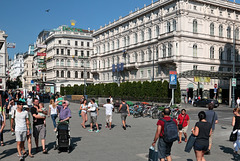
x=16, y=66
x=68, y=50
x=3, y=59
x=181, y=35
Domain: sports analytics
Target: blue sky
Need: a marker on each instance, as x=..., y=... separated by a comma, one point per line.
x=23, y=20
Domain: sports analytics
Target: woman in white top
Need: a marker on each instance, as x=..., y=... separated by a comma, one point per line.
x=53, y=112
x=83, y=107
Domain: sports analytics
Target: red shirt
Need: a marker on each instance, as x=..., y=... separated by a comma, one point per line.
x=161, y=123
x=180, y=119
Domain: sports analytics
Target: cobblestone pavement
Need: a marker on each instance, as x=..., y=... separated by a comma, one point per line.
x=118, y=144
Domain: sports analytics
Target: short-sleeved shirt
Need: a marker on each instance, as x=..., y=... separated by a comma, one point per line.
x=22, y=99
x=180, y=119
x=204, y=131
x=161, y=123
x=93, y=109
x=53, y=110
x=20, y=120
x=12, y=108
x=209, y=118
x=64, y=113
x=35, y=120
x=109, y=108
x=59, y=99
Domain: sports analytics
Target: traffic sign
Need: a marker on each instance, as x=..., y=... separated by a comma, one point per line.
x=172, y=79
x=234, y=82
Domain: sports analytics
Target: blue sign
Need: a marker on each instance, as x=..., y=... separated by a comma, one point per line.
x=113, y=68
x=215, y=90
x=122, y=66
x=32, y=82
x=173, y=79
x=118, y=67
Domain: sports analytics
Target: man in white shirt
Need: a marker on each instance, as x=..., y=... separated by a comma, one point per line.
x=21, y=128
x=93, y=109
x=11, y=107
x=109, y=108
x=29, y=101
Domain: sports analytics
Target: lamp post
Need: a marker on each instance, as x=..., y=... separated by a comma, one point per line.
x=233, y=87
x=84, y=78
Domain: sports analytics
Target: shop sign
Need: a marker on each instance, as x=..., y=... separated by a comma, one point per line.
x=40, y=60
x=71, y=29
x=41, y=54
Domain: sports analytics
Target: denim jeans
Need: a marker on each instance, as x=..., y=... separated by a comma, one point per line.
x=54, y=116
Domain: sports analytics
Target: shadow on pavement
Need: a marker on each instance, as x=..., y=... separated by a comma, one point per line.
x=9, y=142
x=8, y=152
x=228, y=150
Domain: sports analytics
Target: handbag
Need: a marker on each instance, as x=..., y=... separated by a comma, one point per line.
x=180, y=126
x=233, y=137
x=190, y=143
x=153, y=155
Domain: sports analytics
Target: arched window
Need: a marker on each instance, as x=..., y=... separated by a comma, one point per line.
x=174, y=25
x=194, y=26
x=212, y=29
x=149, y=34
x=81, y=74
x=62, y=73
x=157, y=55
x=229, y=53
x=157, y=30
x=118, y=59
x=237, y=33
x=76, y=74
x=62, y=62
x=68, y=63
x=195, y=50
x=128, y=40
x=169, y=49
x=113, y=45
x=220, y=54
x=164, y=51
x=142, y=55
x=168, y=26
x=142, y=34
x=124, y=42
x=57, y=62
x=57, y=74
x=220, y=31
x=229, y=32
x=128, y=58
x=136, y=57
x=136, y=38
x=211, y=52
x=104, y=48
x=108, y=62
x=68, y=74
x=113, y=60
x=103, y=63
x=88, y=75
x=108, y=46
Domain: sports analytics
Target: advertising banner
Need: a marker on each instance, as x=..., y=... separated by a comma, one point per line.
x=41, y=54
x=202, y=79
x=11, y=45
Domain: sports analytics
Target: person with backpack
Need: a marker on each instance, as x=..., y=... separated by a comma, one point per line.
x=202, y=131
x=166, y=134
x=236, y=129
x=212, y=118
x=183, y=122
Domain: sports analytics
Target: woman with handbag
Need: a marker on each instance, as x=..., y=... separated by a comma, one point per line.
x=183, y=122
x=202, y=131
x=236, y=128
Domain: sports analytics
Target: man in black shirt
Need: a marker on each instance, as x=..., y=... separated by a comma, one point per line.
x=39, y=129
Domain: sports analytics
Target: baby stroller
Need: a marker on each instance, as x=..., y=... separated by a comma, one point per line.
x=63, y=139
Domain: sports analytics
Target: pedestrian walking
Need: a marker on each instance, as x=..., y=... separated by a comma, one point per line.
x=83, y=108
x=165, y=139
x=22, y=99
x=238, y=102
x=109, y=109
x=29, y=101
x=39, y=129
x=2, y=123
x=6, y=108
x=12, y=107
x=236, y=129
x=202, y=131
x=52, y=111
x=124, y=109
x=64, y=111
x=93, y=109
x=183, y=122
x=212, y=118
x=21, y=128
x=29, y=135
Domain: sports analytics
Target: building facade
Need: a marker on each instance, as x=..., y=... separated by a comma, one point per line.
x=68, y=51
x=17, y=66
x=27, y=76
x=3, y=59
x=170, y=35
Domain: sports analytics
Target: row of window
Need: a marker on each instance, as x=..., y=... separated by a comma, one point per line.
x=76, y=43
x=220, y=28
x=68, y=63
x=75, y=52
x=137, y=37
x=62, y=74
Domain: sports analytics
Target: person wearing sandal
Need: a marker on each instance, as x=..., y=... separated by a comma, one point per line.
x=3, y=123
x=236, y=128
x=29, y=135
x=84, y=107
x=183, y=122
x=53, y=112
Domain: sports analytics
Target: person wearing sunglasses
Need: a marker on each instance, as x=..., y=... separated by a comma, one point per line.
x=64, y=111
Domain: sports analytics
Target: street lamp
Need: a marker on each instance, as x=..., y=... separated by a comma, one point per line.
x=234, y=54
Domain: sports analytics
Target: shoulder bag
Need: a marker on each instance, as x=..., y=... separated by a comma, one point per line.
x=180, y=126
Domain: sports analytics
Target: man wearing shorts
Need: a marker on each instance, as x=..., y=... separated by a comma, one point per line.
x=124, y=109
x=21, y=128
x=183, y=119
x=93, y=109
x=109, y=108
x=39, y=129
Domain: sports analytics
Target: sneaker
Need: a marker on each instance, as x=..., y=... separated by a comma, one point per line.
x=97, y=131
x=13, y=133
x=21, y=158
x=90, y=130
x=124, y=127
